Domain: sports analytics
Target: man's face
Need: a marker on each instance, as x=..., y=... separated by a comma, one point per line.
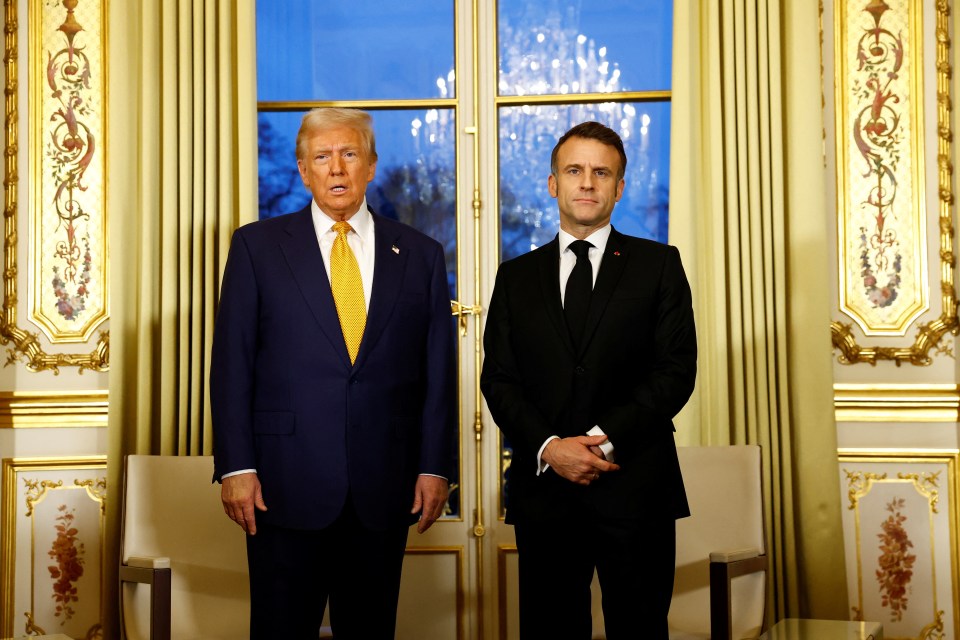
x=586, y=185
x=336, y=170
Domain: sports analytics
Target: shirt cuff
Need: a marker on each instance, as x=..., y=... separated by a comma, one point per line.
x=433, y=475
x=541, y=465
x=606, y=447
x=237, y=473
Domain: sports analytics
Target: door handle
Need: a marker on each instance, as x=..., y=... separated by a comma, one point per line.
x=461, y=311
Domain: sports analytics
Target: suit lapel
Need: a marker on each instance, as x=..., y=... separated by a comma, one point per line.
x=303, y=255
x=611, y=268
x=388, y=270
x=549, y=275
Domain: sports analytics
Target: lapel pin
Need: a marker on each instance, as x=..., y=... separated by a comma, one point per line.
x=395, y=249
x=616, y=253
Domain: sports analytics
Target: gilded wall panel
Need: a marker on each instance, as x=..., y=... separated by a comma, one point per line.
x=900, y=538
x=66, y=259
x=884, y=280
x=880, y=164
x=69, y=291
x=52, y=542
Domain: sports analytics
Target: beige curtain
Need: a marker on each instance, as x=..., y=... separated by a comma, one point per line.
x=749, y=213
x=182, y=167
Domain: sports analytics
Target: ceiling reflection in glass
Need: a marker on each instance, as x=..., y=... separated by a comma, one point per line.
x=562, y=47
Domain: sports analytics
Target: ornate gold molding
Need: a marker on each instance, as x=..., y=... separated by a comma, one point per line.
x=11, y=474
x=69, y=295
x=928, y=335
x=30, y=409
x=26, y=346
x=896, y=402
x=860, y=482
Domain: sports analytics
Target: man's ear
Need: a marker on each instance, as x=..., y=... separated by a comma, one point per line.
x=552, y=186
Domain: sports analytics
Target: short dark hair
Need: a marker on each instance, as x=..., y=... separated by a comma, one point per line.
x=592, y=131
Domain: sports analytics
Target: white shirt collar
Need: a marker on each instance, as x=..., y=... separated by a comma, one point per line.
x=598, y=239
x=361, y=221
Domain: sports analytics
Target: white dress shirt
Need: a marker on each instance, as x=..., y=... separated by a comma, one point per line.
x=568, y=259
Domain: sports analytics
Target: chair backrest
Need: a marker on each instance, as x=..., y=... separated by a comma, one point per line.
x=724, y=490
x=173, y=510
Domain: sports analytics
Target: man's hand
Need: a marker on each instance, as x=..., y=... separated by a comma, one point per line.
x=597, y=451
x=429, y=498
x=574, y=458
x=240, y=494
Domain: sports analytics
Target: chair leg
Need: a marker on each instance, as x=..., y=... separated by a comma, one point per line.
x=720, y=602
x=160, y=605
x=160, y=592
x=721, y=596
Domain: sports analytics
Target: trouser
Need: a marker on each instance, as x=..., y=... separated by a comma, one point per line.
x=634, y=560
x=293, y=573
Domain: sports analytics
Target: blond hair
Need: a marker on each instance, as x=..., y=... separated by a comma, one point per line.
x=323, y=118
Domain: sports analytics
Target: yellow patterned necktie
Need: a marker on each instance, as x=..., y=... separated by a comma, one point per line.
x=347, y=290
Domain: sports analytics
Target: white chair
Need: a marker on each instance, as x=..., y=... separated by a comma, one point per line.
x=720, y=585
x=177, y=539
x=183, y=569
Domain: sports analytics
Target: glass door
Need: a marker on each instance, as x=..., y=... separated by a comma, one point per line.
x=468, y=98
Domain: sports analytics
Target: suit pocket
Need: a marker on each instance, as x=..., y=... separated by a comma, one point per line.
x=279, y=423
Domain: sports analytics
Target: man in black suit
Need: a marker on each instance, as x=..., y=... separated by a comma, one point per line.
x=590, y=352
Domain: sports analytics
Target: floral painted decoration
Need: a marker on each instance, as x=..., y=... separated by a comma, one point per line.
x=68, y=553
x=895, y=563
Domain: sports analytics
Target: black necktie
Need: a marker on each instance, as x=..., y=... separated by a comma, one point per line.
x=576, y=297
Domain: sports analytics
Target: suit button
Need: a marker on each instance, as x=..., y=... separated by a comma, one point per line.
x=354, y=381
x=580, y=371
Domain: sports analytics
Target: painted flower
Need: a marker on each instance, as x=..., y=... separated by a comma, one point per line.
x=70, y=305
x=895, y=562
x=68, y=555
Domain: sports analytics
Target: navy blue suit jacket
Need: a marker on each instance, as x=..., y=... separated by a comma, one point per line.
x=287, y=402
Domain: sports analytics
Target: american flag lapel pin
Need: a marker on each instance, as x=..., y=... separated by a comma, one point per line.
x=395, y=249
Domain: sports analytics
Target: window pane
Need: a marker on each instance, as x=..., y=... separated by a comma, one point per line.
x=279, y=185
x=529, y=216
x=550, y=47
x=356, y=50
x=416, y=172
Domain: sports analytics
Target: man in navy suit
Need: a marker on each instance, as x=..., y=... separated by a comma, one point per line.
x=590, y=351
x=328, y=447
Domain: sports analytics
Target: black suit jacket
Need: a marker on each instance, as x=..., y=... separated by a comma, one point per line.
x=634, y=371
